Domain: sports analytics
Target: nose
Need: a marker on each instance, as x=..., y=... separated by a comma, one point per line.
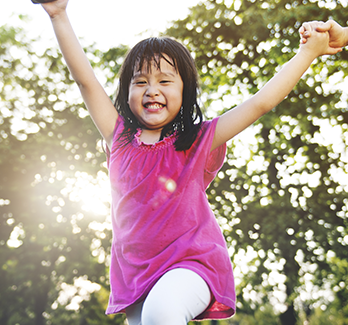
x=152, y=91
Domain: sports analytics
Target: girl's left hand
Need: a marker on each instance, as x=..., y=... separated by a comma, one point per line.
x=309, y=28
x=306, y=29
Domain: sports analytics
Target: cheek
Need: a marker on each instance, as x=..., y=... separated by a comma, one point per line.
x=133, y=101
x=131, y=96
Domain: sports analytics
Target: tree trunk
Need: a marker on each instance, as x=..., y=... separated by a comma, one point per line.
x=289, y=317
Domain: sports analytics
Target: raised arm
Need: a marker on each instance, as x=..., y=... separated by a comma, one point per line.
x=97, y=101
x=239, y=118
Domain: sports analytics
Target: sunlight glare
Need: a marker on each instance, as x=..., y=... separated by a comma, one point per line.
x=92, y=193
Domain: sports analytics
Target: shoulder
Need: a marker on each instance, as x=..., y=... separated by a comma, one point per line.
x=205, y=136
x=208, y=127
x=118, y=129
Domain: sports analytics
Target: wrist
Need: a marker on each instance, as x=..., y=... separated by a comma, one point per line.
x=58, y=15
x=307, y=54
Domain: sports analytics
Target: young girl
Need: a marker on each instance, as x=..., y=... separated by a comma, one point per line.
x=169, y=260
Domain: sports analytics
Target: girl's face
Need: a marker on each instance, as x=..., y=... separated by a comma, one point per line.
x=155, y=95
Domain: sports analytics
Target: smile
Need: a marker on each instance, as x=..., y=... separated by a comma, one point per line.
x=153, y=106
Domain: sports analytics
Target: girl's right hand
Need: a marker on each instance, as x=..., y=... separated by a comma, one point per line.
x=55, y=8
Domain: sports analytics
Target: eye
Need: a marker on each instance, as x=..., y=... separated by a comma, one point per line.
x=165, y=81
x=139, y=82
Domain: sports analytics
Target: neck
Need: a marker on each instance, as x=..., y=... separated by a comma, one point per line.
x=150, y=136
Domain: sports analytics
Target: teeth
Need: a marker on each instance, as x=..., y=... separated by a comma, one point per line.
x=154, y=106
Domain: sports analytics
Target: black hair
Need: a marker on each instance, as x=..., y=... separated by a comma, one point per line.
x=188, y=121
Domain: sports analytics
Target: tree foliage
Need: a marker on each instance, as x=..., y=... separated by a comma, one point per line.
x=50, y=152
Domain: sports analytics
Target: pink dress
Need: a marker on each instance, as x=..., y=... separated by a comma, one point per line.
x=162, y=220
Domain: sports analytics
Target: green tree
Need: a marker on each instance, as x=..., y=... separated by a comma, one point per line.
x=282, y=194
x=49, y=151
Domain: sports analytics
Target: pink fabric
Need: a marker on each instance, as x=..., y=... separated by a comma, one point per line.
x=162, y=219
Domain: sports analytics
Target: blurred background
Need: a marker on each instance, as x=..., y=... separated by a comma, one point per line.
x=280, y=198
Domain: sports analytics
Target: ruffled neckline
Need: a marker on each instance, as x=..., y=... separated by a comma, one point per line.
x=164, y=143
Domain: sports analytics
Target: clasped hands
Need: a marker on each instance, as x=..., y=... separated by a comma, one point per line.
x=338, y=35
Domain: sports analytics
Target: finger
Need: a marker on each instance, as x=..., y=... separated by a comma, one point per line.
x=324, y=27
x=334, y=50
x=305, y=27
x=306, y=34
x=311, y=25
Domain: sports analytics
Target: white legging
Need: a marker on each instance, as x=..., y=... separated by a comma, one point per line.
x=179, y=296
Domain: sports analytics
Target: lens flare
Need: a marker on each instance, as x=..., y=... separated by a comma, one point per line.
x=169, y=184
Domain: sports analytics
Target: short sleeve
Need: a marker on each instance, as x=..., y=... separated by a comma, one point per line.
x=117, y=130
x=215, y=158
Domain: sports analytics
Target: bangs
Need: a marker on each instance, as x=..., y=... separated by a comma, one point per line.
x=150, y=53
